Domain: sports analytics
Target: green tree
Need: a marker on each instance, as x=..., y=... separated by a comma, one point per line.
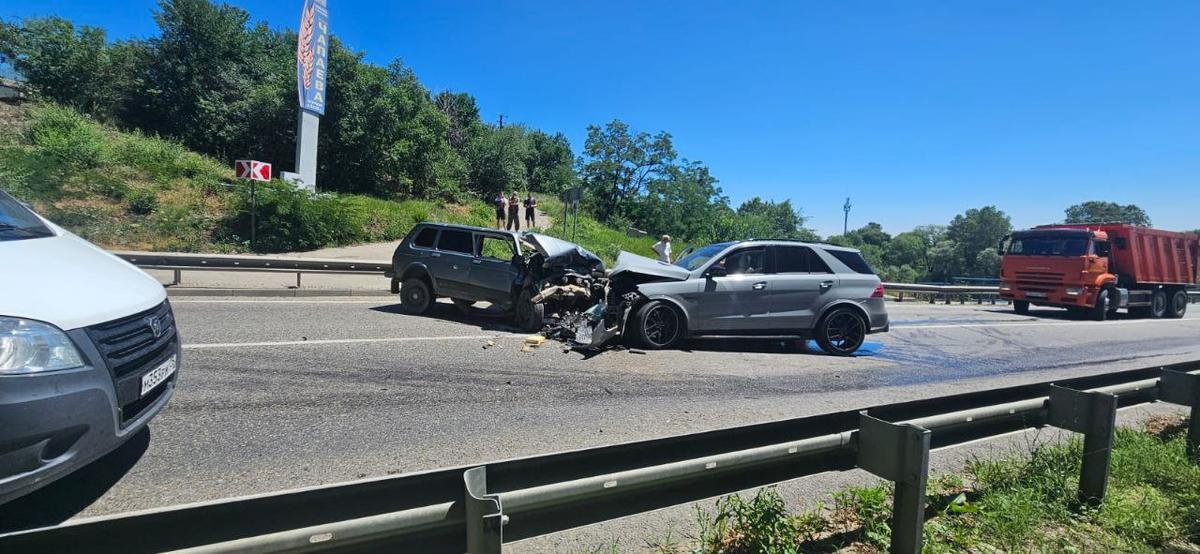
x=73, y=67
x=497, y=160
x=200, y=76
x=618, y=163
x=1097, y=211
x=778, y=219
x=684, y=203
x=987, y=262
x=550, y=165
x=871, y=233
x=465, y=124
x=973, y=232
x=945, y=260
x=908, y=249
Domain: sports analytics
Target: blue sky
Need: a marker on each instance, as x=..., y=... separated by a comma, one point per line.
x=916, y=110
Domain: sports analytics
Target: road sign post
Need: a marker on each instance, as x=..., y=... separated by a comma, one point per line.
x=253, y=171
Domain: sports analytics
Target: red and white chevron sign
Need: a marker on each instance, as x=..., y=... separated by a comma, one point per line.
x=253, y=170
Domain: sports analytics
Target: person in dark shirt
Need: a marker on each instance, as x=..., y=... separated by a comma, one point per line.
x=500, y=205
x=530, y=210
x=514, y=212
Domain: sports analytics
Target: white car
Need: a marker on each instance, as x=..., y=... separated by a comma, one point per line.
x=88, y=350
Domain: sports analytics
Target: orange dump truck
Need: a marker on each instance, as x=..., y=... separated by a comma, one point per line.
x=1100, y=269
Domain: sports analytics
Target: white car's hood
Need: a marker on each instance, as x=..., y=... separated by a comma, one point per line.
x=68, y=282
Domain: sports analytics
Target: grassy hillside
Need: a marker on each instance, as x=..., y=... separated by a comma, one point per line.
x=125, y=190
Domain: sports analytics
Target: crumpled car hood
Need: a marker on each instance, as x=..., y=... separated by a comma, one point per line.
x=562, y=253
x=629, y=263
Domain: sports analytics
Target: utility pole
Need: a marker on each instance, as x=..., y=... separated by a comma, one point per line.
x=846, y=220
x=501, y=121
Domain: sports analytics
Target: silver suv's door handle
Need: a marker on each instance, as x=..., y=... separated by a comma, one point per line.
x=759, y=285
x=435, y=254
x=826, y=285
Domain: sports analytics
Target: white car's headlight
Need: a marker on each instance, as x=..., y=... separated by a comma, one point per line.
x=33, y=347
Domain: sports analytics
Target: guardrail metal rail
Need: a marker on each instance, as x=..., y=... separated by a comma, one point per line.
x=179, y=262
x=478, y=508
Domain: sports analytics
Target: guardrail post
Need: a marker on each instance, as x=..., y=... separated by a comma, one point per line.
x=900, y=298
x=485, y=518
x=298, y=279
x=898, y=453
x=1178, y=387
x=1095, y=415
x=177, y=274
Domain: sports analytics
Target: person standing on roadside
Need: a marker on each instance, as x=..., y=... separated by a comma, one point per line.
x=530, y=210
x=499, y=203
x=514, y=212
x=663, y=248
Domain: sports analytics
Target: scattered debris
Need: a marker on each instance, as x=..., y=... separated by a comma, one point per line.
x=489, y=344
x=535, y=340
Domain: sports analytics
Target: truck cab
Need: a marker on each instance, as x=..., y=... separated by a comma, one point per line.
x=1099, y=269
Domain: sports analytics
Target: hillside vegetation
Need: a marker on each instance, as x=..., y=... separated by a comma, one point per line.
x=127, y=190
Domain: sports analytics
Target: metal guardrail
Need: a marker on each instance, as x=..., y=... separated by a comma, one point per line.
x=179, y=262
x=477, y=508
x=962, y=292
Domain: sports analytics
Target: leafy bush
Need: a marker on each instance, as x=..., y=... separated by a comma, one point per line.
x=142, y=201
x=67, y=137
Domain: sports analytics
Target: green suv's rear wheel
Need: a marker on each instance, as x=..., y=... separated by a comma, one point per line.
x=415, y=296
x=841, y=332
x=659, y=325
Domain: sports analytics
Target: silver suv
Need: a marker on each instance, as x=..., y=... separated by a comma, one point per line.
x=754, y=288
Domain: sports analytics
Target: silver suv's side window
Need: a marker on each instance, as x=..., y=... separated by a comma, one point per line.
x=747, y=261
x=456, y=241
x=799, y=259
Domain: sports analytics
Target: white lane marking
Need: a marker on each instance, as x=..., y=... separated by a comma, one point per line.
x=337, y=341
x=1041, y=324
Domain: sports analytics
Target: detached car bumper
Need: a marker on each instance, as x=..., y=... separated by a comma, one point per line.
x=55, y=423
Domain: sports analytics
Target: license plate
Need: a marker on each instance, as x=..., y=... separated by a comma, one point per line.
x=156, y=376
x=1036, y=294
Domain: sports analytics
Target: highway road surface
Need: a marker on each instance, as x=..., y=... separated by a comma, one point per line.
x=284, y=393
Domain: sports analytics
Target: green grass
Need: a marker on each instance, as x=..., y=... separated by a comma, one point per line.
x=1023, y=502
x=125, y=190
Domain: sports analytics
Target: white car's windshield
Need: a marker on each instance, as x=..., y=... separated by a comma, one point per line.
x=17, y=222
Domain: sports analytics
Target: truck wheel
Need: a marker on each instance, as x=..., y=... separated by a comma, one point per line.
x=659, y=325
x=1179, y=304
x=530, y=317
x=415, y=296
x=1104, y=299
x=1021, y=307
x=841, y=332
x=1158, y=304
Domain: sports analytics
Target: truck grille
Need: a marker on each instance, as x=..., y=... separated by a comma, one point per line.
x=1038, y=281
x=130, y=346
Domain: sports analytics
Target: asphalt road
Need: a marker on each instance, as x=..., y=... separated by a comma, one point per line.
x=277, y=394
